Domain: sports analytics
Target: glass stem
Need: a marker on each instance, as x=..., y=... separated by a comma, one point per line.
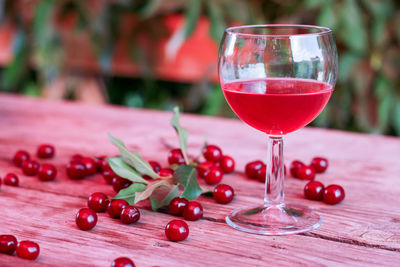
x=275, y=172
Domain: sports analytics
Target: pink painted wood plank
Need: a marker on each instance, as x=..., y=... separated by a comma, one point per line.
x=365, y=226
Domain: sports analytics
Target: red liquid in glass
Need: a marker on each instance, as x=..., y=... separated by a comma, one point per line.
x=277, y=106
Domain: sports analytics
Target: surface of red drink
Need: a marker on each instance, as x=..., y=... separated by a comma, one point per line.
x=277, y=106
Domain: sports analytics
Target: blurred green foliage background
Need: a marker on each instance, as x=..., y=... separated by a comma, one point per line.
x=367, y=32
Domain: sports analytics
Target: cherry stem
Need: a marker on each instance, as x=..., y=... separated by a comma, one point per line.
x=275, y=172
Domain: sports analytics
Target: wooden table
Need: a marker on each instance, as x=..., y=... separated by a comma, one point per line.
x=362, y=230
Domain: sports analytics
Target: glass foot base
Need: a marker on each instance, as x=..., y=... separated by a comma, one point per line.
x=281, y=219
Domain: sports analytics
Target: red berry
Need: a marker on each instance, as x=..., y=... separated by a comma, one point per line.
x=212, y=153
x=227, y=164
x=166, y=172
x=11, y=179
x=214, y=175
x=105, y=165
x=193, y=211
x=306, y=173
x=252, y=168
x=120, y=183
x=20, y=157
x=204, y=167
x=319, y=164
x=314, y=190
x=177, y=230
x=175, y=156
x=223, y=194
x=76, y=171
x=155, y=165
x=86, y=219
x=47, y=172
x=115, y=208
x=262, y=173
x=129, y=215
x=90, y=165
x=45, y=151
x=8, y=244
x=294, y=167
x=177, y=206
x=123, y=262
x=76, y=158
x=98, y=202
x=109, y=176
x=333, y=194
x=99, y=160
x=28, y=250
x=30, y=167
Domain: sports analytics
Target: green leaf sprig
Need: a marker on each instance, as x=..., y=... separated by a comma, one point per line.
x=161, y=190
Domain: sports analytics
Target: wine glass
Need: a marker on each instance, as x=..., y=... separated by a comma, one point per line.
x=277, y=79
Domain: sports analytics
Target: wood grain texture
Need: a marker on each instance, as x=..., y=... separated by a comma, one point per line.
x=363, y=230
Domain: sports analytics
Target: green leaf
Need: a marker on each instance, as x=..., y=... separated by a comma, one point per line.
x=192, y=16
x=182, y=133
x=150, y=189
x=133, y=158
x=217, y=23
x=187, y=176
x=353, y=30
x=124, y=170
x=396, y=116
x=163, y=195
x=385, y=102
x=130, y=192
x=347, y=63
x=327, y=17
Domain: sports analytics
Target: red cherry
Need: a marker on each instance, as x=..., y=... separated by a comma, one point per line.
x=193, y=211
x=319, y=164
x=47, y=172
x=116, y=206
x=175, y=156
x=105, y=165
x=177, y=206
x=204, y=167
x=177, y=230
x=306, y=173
x=212, y=153
x=252, y=168
x=262, y=173
x=166, y=172
x=223, y=194
x=333, y=194
x=86, y=219
x=155, y=165
x=45, y=151
x=8, y=244
x=120, y=183
x=76, y=158
x=76, y=171
x=314, y=190
x=294, y=167
x=109, y=176
x=90, y=165
x=11, y=179
x=123, y=262
x=99, y=160
x=30, y=167
x=129, y=215
x=98, y=202
x=20, y=156
x=214, y=175
x=28, y=250
x=227, y=164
